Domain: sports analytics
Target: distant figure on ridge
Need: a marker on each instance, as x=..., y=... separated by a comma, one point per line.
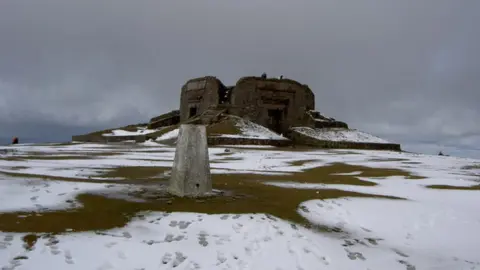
x=15, y=140
x=264, y=75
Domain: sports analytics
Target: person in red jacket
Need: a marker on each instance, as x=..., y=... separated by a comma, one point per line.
x=15, y=140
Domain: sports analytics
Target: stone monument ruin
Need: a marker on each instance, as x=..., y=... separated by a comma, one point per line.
x=282, y=105
x=191, y=167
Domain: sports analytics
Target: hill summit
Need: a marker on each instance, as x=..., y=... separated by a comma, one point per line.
x=256, y=110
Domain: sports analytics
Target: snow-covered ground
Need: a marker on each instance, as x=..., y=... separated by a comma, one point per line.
x=339, y=134
x=429, y=229
x=121, y=132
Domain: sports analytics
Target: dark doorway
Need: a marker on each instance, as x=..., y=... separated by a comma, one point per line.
x=275, y=118
x=224, y=94
x=192, y=112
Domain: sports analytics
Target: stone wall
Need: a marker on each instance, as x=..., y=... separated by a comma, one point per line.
x=277, y=104
x=165, y=115
x=253, y=97
x=329, y=124
x=213, y=140
x=199, y=93
x=301, y=139
x=169, y=120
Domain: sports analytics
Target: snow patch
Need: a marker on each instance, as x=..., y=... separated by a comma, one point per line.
x=38, y=195
x=339, y=134
x=252, y=130
x=120, y=132
x=169, y=135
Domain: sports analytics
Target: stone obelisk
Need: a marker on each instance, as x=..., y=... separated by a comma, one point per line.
x=191, y=167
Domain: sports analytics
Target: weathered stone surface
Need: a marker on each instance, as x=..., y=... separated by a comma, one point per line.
x=247, y=141
x=191, y=167
x=274, y=103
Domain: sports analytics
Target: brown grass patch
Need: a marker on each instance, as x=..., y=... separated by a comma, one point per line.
x=12, y=158
x=52, y=157
x=245, y=193
x=131, y=175
x=448, y=187
x=224, y=127
x=67, y=155
x=387, y=159
x=17, y=168
x=326, y=175
x=225, y=160
x=301, y=162
x=58, y=178
x=102, y=213
x=134, y=172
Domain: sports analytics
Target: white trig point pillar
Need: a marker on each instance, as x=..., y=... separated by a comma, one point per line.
x=191, y=167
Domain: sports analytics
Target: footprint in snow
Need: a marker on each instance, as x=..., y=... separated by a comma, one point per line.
x=167, y=257
x=183, y=224
x=52, y=244
x=14, y=263
x=222, y=239
x=400, y=253
x=221, y=258
x=315, y=252
x=202, y=239
x=179, y=259
x=237, y=227
x=105, y=266
x=407, y=265
x=54, y=250
x=354, y=255
x=170, y=238
x=293, y=250
x=6, y=241
x=110, y=244
x=248, y=251
x=121, y=255
x=68, y=257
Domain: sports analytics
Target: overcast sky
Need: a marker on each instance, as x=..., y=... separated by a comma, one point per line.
x=408, y=71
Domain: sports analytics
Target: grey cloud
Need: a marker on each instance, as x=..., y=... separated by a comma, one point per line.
x=406, y=70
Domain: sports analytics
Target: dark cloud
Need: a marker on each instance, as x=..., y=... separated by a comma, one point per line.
x=405, y=70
